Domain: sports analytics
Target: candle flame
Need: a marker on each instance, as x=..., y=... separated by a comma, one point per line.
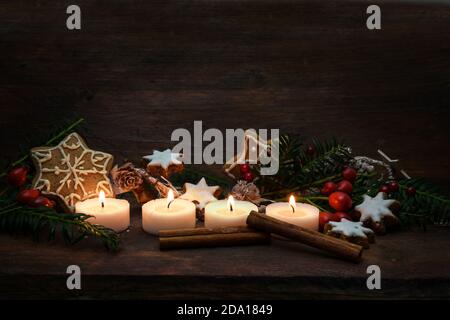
x=170, y=198
x=292, y=202
x=102, y=198
x=230, y=203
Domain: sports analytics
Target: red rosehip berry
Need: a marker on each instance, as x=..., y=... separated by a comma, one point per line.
x=411, y=191
x=248, y=176
x=342, y=215
x=17, y=177
x=28, y=196
x=310, y=150
x=245, y=168
x=324, y=218
x=393, y=186
x=345, y=186
x=349, y=174
x=340, y=201
x=42, y=201
x=328, y=188
x=385, y=188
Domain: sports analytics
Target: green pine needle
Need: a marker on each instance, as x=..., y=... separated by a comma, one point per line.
x=38, y=221
x=428, y=205
x=299, y=170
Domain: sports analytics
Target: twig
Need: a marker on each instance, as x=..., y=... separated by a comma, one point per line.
x=316, y=205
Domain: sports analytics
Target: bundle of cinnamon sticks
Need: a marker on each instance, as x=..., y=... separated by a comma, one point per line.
x=258, y=232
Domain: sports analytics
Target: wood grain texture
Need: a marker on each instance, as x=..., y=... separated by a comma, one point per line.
x=413, y=264
x=139, y=69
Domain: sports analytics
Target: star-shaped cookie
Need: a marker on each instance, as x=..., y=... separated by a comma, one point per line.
x=200, y=192
x=376, y=214
x=349, y=228
x=164, y=163
x=72, y=172
x=350, y=231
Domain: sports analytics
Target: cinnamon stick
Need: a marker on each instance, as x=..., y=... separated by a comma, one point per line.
x=337, y=247
x=203, y=237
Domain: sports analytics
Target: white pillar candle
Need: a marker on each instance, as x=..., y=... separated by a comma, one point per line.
x=111, y=213
x=300, y=214
x=165, y=214
x=228, y=213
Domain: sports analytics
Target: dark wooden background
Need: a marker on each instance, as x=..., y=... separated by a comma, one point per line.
x=139, y=69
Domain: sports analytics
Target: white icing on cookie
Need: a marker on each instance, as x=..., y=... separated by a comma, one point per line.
x=71, y=173
x=376, y=208
x=200, y=192
x=164, y=158
x=350, y=228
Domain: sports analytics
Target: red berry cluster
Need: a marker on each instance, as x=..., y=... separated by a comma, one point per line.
x=17, y=177
x=390, y=187
x=339, y=197
x=393, y=186
x=246, y=172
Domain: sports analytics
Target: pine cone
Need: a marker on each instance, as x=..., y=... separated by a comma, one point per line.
x=126, y=178
x=246, y=191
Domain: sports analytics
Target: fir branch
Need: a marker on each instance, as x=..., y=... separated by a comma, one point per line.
x=299, y=170
x=329, y=159
x=428, y=205
x=289, y=149
x=36, y=221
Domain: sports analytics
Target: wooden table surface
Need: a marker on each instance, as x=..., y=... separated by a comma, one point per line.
x=413, y=264
x=140, y=69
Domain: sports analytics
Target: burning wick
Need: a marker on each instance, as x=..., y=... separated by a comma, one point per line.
x=292, y=203
x=101, y=198
x=170, y=198
x=231, y=203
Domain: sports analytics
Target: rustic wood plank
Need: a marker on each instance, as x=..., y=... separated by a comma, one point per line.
x=309, y=67
x=139, y=69
x=412, y=264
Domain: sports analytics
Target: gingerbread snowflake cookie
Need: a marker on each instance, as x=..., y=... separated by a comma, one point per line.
x=376, y=213
x=71, y=172
x=350, y=231
x=164, y=163
x=201, y=194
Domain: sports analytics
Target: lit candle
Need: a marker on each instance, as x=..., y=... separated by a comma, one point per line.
x=111, y=213
x=169, y=213
x=300, y=214
x=228, y=213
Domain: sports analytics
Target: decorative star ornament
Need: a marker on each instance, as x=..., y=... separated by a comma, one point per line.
x=71, y=171
x=375, y=209
x=200, y=192
x=350, y=229
x=164, y=158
